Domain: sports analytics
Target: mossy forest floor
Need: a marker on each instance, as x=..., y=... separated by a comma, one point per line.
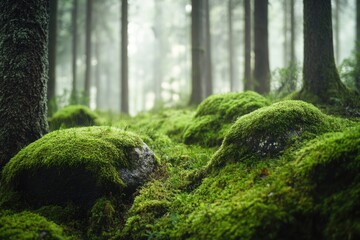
x=237, y=167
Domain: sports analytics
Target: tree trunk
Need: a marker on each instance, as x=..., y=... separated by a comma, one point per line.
x=262, y=69
x=231, y=47
x=52, y=57
x=74, y=17
x=23, y=74
x=198, y=48
x=247, y=39
x=357, y=78
x=208, y=78
x=158, y=56
x=89, y=11
x=286, y=32
x=337, y=31
x=292, y=33
x=321, y=82
x=124, y=58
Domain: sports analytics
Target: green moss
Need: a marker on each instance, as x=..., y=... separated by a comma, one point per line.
x=271, y=130
x=26, y=225
x=73, y=116
x=76, y=165
x=217, y=113
x=102, y=217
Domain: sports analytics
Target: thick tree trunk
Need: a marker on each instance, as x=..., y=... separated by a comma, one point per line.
x=247, y=39
x=23, y=74
x=89, y=12
x=74, y=17
x=208, y=78
x=321, y=82
x=198, y=48
x=52, y=57
x=262, y=69
x=124, y=58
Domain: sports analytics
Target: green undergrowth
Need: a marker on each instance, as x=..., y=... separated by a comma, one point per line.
x=26, y=225
x=73, y=116
x=216, y=114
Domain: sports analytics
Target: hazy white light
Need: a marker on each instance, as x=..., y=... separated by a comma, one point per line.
x=176, y=97
x=94, y=62
x=150, y=100
x=165, y=85
x=188, y=8
x=93, y=92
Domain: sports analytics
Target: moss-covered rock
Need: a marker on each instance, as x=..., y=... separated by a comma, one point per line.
x=26, y=225
x=269, y=131
x=73, y=116
x=217, y=113
x=77, y=165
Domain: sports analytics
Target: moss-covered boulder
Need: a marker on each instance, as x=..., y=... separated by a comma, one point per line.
x=73, y=116
x=26, y=225
x=217, y=113
x=77, y=165
x=268, y=131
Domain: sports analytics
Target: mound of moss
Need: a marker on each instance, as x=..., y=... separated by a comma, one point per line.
x=217, y=113
x=269, y=131
x=72, y=116
x=77, y=165
x=26, y=225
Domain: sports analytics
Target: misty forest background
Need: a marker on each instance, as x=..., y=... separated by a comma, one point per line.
x=88, y=50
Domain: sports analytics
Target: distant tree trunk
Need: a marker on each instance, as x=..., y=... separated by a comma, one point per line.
x=198, y=47
x=158, y=56
x=337, y=31
x=23, y=74
x=357, y=78
x=247, y=39
x=208, y=78
x=262, y=69
x=286, y=32
x=74, y=17
x=52, y=57
x=97, y=71
x=292, y=33
x=231, y=46
x=321, y=82
x=89, y=10
x=124, y=58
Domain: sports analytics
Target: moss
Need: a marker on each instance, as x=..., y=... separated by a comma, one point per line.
x=72, y=116
x=271, y=130
x=102, y=217
x=26, y=225
x=74, y=165
x=217, y=113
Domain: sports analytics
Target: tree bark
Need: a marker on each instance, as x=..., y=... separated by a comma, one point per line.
x=52, y=57
x=198, y=48
x=74, y=17
x=337, y=31
x=357, y=78
x=124, y=58
x=262, y=69
x=321, y=82
x=23, y=74
x=89, y=12
x=231, y=47
x=247, y=39
x=208, y=78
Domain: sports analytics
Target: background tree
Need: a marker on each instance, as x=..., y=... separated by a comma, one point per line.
x=357, y=78
x=231, y=45
x=247, y=46
x=74, y=17
x=88, y=46
x=262, y=68
x=23, y=74
x=208, y=79
x=124, y=58
x=52, y=57
x=321, y=81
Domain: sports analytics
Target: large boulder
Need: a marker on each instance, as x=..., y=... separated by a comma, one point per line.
x=217, y=113
x=73, y=116
x=77, y=165
x=268, y=131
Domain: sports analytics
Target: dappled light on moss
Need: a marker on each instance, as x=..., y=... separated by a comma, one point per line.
x=217, y=113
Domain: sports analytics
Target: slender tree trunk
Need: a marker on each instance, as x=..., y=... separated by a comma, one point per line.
x=286, y=33
x=158, y=63
x=74, y=17
x=52, y=57
x=97, y=71
x=321, y=82
x=208, y=79
x=337, y=31
x=262, y=69
x=357, y=78
x=124, y=58
x=247, y=39
x=231, y=47
x=292, y=33
x=89, y=10
x=198, y=46
x=23, y=74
